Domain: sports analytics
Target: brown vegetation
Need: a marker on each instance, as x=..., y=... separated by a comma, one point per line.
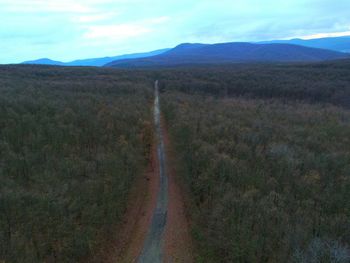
x=72, y=141
x=178, y=241
x=269, y=181
x=262, y=151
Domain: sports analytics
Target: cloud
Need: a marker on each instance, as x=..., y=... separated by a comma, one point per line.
x=61, y=6
x=157, y=20
x=117, y=32
x=329, y=34
x=37, y=6
x=256, y=20
x=90, y=18
x=69, y=29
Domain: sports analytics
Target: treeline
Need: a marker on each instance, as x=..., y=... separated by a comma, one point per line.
x=269, y=181
x=72, y=141
x=320, y=82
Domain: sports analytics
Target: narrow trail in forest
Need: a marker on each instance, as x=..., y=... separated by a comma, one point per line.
x=155, y=226
x=152, y=251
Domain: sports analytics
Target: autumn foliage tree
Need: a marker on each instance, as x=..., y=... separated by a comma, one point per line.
x=72, y=141
x=269, y=181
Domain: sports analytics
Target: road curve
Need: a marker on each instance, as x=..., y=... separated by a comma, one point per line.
x=152, y=251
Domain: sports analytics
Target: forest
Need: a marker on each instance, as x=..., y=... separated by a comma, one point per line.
x=323, y=82
x=264, y=153
x=72, y=141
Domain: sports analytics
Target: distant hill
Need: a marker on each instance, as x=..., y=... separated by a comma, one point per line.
x=99, y=62
x=95, y=62
x=44, y=61
x=192, y=54
x=341, y=44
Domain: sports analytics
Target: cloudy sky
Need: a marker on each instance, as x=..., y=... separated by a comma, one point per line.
x=71, y=29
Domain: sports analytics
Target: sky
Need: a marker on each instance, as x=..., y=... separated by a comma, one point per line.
x=66, y=30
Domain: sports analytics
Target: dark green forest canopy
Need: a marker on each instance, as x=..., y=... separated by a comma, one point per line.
x=72, y=141
x=263, y=150
x=265, y=153
x=327, y=83
x=269, y=181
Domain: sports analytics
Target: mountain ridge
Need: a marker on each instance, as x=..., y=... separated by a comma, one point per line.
x=43, y=61
x=340, y=44
x=94, y=62
x=232, y=52
x=337, y=44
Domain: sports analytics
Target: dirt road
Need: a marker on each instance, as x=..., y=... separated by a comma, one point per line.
x=155, y=227
x=152, y=251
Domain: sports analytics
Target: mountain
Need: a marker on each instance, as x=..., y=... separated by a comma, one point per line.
x=341, y=44
x=44, y=61
x=99, y=62
x=95, y=62
x=231, y=53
